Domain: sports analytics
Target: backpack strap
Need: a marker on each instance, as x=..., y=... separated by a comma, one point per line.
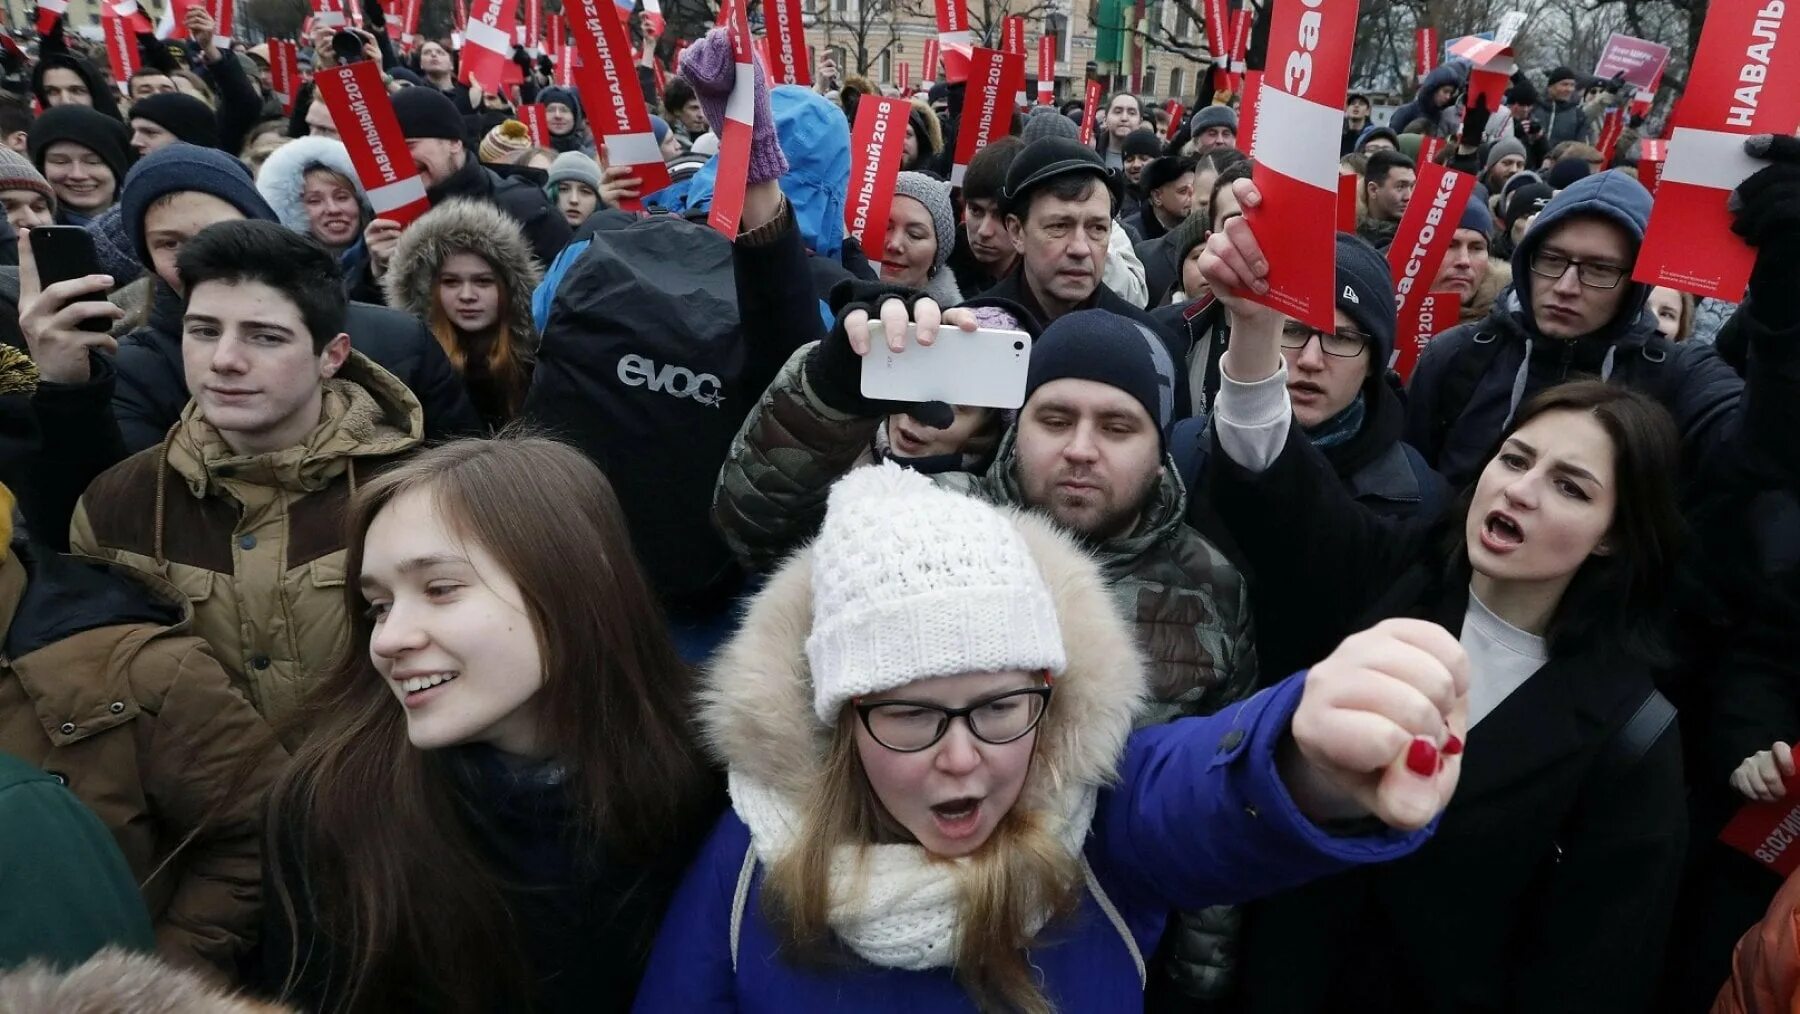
x=1635, y=738
x=1465, y=372
x=739, y=898
x=1117, y=920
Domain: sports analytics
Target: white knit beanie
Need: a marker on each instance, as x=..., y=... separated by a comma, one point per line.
x=912, y=581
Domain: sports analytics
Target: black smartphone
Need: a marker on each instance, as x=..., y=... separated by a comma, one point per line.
x=347, y=46
x=63, y=252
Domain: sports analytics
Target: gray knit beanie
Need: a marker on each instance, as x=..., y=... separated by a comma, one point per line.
x=935, y=195
x=1502, y=148
x=574, y=165
x=1045, y=121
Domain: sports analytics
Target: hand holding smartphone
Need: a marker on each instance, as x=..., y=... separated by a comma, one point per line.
x=63, y=253
x=63, y=313
x=984, y=368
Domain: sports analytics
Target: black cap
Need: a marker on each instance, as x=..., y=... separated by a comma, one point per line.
x=1164, y=170
x=1046, y=159
x=1560, y=74
x=1141, y=142
x=427, y=112
x=188, y=118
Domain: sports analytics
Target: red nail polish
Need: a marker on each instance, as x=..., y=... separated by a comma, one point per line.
x=1453, y=746
x=1422, y=758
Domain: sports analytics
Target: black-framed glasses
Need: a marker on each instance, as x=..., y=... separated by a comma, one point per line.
x=911, y=726
x=1593, y=275
x=1345, y=344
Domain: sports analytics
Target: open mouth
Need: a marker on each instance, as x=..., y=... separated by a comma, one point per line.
x=1501, y=532
x=957, y=818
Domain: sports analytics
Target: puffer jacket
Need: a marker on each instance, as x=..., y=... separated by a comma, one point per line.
x=1189, y=605
x=103, y=686
x=255, y=542
x=1765, y=967
x=479, y=228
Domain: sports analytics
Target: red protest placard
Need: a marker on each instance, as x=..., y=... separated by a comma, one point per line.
x=1736, y=88
x=953, y=39
x=1248, y=103
x=1487, y=86
x=1425, y=51
x=1218, y=35
x=1090, y=108
x=532, y=116
x=1641, y=61
x=734, y=142
x=1429, y=147
x=331, y=14
x=903, y=77
x=284, y=71
x=1436, y=313
x=1768, y=832
x=1612, y=125
x=1012, y=34
x=531, y=29
x=222, y=12
x=1240, y=40
x=1348, y=182
x=1176, y=112
x=987, y=105
x=121, y=47
x=875, y=150
x=1420, y=242
x=931, y=60
x=488, y=43
x=1299, y=103
x=1046, y=70
x=787, y=42
x=1655, y=151
x=359, y=107
x=409, y=21
x=610, y=94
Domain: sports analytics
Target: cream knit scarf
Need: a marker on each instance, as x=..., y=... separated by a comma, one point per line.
x=901, y=911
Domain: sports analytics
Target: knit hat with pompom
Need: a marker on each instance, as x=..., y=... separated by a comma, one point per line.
x=504, y=142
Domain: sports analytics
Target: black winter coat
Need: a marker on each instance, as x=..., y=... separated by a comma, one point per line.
x=152, y=389
x=1016, y=290
x=1549, y=883
x=544, y=227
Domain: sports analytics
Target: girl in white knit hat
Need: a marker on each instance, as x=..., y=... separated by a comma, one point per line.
x=938, y=801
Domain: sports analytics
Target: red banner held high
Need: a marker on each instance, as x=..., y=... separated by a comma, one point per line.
x=953, y=39
x=1046, y=70
x=1418, y=251
x=1248, y=103
x=1655, y=151
x=333, y=14
x=1348, y=182
x=734, y=141
x=1425, y=52
x=1298, y=104
x=284, y=71
x=1740, y=84
x=1012, y=34
x=1090, y=108
x=1612, y=127
x=121, y=47
x=903, y=77
x=1769, y=832
x=532, y=115
x=787, y=42
x=987, y=105
x=488, y=43
x=610, y=94
x=364, y=117
x=930, y=63
x=876, y=145
x=1176, y=113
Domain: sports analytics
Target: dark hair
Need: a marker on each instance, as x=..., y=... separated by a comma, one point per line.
x=1227, y=176
x=1382, y=163
x=1219, y=159
x=368, y=838
x=15, y=115
x=292, y=264
x=986, y=175
x=1615, y=598
x=677, y=93
x=1074, y=186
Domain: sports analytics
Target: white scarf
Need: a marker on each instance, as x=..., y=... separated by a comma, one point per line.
x=902, y=910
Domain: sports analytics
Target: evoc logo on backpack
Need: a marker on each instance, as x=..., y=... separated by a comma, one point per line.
x=704, y=388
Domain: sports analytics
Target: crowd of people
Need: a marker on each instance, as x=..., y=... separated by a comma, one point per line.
x=525, y=608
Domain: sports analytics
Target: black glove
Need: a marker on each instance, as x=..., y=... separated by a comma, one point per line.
x=545, y=67
x=522, y=59
x=1475, y=121
x=374, y=18
x=834, y=370
x=1766, y=213
x=153, y=52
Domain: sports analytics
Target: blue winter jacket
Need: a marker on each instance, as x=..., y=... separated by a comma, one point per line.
x=1198, y=817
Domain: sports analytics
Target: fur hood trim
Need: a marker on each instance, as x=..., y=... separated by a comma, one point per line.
x=756, y=704
x=453, y=227
x=933, y=126
x=284, y=175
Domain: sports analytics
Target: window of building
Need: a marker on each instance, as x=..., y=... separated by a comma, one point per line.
x=1176, y=81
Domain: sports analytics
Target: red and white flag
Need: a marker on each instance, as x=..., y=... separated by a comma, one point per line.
x=1741, y=84
x=1218, y=38
x=488, y=43
x=610, y=94
x=1490, y=52
x=364, y=117
x=875, y=149
x=1046, y=70
x=47, y=13
x=529, y=31
x=284, y=71
x=953, y=39
x=987, y=105
x=1240, y=40
x=787, y=42
x=1420, y=242
x=1310, y=42
x=1090, y=108
x=734, y=143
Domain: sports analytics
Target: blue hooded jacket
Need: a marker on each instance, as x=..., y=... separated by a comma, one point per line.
x=1697, y=387
x=1446, y=117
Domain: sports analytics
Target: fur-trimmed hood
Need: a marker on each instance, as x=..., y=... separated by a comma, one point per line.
x=756, y=704
x=283, y=177
x=461, y=225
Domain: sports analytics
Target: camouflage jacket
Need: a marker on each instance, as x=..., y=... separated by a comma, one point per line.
x=1189, y=605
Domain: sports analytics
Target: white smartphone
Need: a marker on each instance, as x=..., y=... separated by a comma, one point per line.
x=984, y=368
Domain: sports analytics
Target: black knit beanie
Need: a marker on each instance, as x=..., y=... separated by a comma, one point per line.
x=427, y=112
x=1106, y=348
x=1141, y=142
x=97, y=132
x=1365, y=291
x=188, y=118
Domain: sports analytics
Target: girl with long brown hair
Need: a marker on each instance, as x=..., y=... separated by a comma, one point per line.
x=498, y=788
x=465, y=269
x=938, y=800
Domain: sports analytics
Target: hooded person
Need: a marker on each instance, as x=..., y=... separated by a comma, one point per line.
x=1573, y=309
x=924, y=136
x=79, y=84
x=313, y=189
x=157, y=121
x=469, y=276
x=84, y=154
x=1046, y=884
x=565, y=120
x=1435, y=103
